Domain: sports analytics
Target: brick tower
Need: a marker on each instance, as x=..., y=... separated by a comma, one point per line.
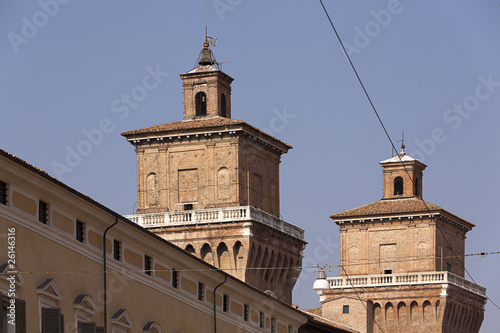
x=210, y=184
x=403, y=264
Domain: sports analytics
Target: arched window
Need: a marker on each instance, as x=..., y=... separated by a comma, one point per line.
x=223, y=105
x=417, y=193
x=201, y=104
x=398, y=186
x=190, y=249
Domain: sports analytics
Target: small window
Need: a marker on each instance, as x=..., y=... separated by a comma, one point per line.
x=175, y=278
x=246, y=312
x=398, y=186
x=3, y=193
x=223, y=112
x=52, y=320
x=86, y=327
x=43, y=212
x=387, y=271
x=448, y=267
x=225, y=303
x=417, y=193
x=201, y=104
x=273, y=325
x=261, y=319
x=148, y=265
x=201, y=291
x=117, y=250
x=345, y=309
x=188, y=206
x=80, y=231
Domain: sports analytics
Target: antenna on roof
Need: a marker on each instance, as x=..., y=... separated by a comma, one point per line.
x=403, y=133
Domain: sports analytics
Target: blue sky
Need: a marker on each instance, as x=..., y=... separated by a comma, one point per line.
x=62, y=73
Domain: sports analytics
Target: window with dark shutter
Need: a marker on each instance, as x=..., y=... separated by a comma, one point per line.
x=225, y=303
x=117, y=248
x=148, y=265
x=201, y=291
x=246, y=312
x=52, y=320
x=86, y=327
x=175, y=278
x=80, y=231
x=43, y=212
x=20, y=316
x=3, y=193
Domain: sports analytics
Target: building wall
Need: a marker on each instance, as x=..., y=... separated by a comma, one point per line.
x=258, y=255
x=420, y=308
x=51, y=251
x=207, y=171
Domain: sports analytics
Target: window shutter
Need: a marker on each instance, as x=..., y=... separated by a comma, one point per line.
x=20, y=316
x=62, y=324
x=51, y=320
x=86, y=327
x=100, y=329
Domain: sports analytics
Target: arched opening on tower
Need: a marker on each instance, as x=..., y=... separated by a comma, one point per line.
x=223, y=256
x=201, y=104
x=238, y=254
x=398, y=186
x=223, y=111
x=206, y=253
x=190, y=249
x=417, y=191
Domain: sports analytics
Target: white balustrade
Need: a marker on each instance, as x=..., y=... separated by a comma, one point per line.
x=366, y=281
x=215, y=215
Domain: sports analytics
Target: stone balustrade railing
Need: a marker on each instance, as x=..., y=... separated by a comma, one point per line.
x=385, y=280
x=215, y=215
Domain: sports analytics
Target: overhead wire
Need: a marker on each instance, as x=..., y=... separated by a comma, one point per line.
x=392, y=143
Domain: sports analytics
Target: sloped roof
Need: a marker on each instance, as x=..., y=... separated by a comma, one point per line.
x=216, y=122
x=389, y=206
x=395, y=207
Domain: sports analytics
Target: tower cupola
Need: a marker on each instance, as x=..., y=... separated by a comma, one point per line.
x=402, y=176
x=207, y=89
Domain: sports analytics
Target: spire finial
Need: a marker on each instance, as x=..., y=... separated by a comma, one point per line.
x=403, y=134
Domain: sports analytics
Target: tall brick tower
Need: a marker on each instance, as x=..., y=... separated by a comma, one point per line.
x=210, y=185
x=403, y=263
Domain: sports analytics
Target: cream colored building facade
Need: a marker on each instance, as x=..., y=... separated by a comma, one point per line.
x=52, y=245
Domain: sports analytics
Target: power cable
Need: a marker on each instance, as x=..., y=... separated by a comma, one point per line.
x=392, y=144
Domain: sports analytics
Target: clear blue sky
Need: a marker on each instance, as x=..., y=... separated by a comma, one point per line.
x=64, y=74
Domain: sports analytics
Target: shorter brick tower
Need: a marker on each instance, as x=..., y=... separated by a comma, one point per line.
x=403, y=263
x=210, y=184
